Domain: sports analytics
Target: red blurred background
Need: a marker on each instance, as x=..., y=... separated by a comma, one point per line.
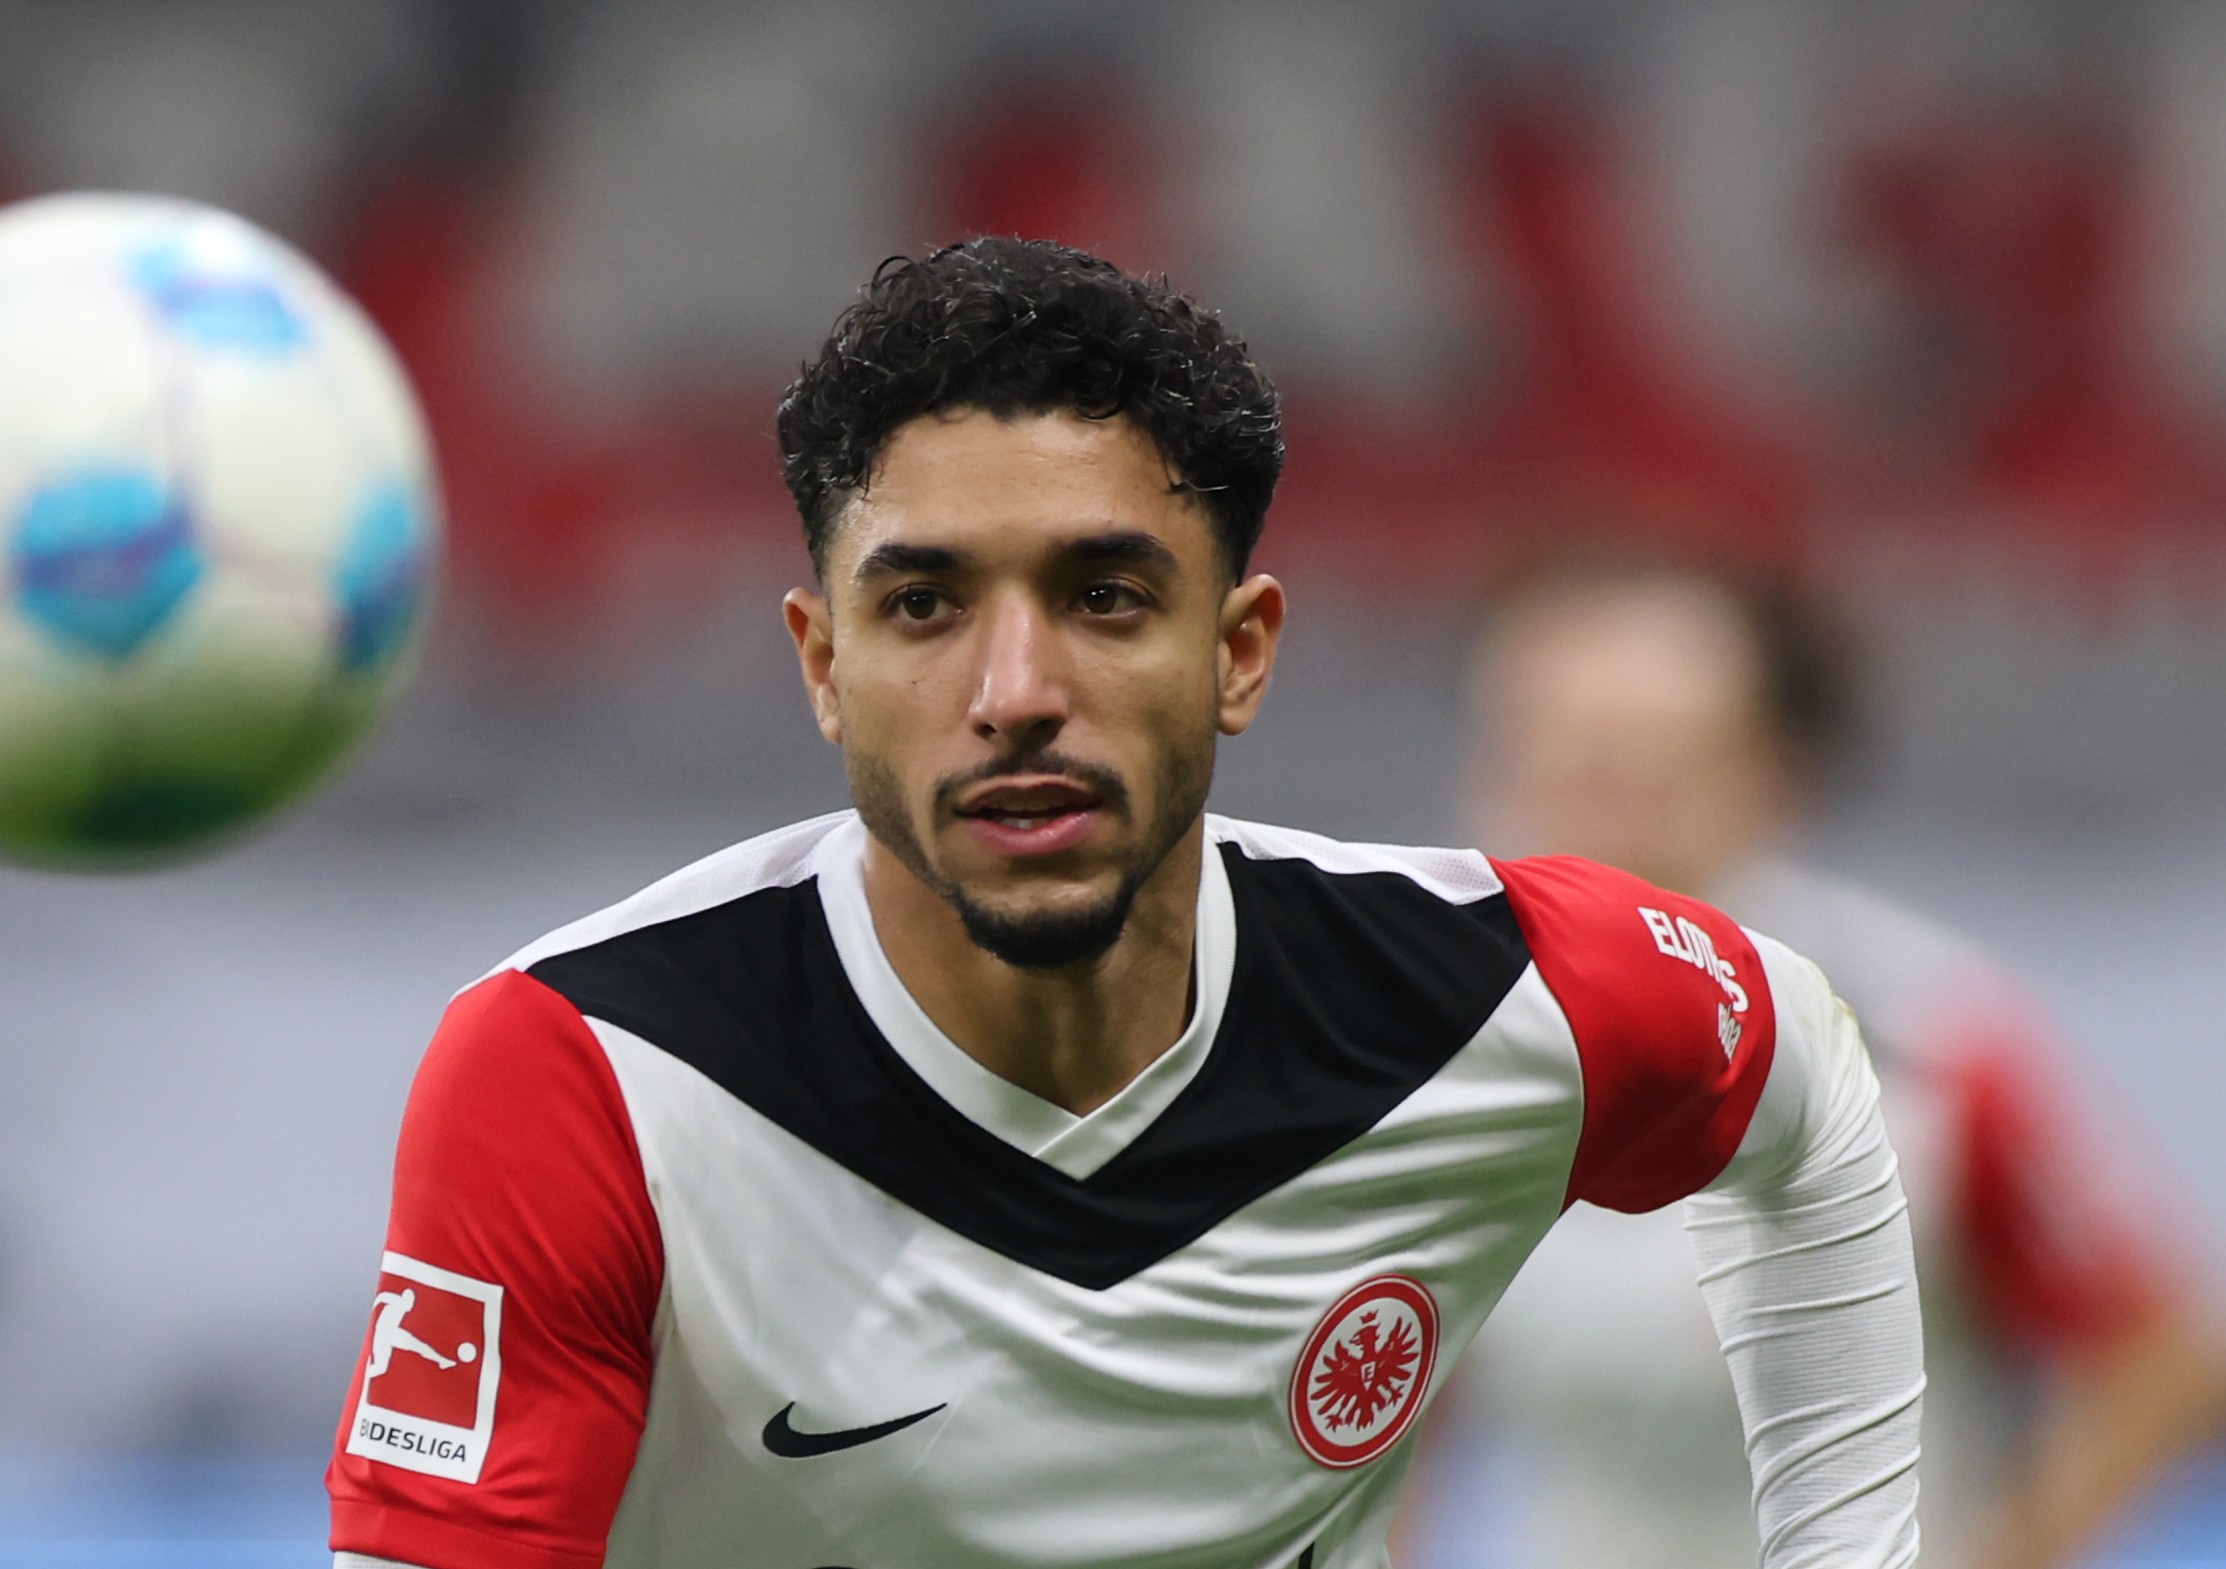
x=1792, y=280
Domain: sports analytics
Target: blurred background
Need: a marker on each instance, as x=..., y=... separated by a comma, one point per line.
x=1922, y=302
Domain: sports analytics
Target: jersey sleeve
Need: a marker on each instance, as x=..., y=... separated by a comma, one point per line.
x=1673, y=1021
x=1804, y=1258
x=504, y=1380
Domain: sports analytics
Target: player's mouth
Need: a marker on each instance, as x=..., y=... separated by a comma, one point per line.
x=1027, y=817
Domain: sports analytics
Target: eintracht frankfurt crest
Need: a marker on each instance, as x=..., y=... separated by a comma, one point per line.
x=1360, y=1381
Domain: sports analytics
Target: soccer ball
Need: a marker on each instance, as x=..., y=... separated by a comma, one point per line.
x=218, y=526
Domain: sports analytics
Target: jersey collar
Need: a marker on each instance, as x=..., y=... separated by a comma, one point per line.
x=1076, y=1146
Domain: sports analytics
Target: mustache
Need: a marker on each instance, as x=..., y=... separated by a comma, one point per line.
x=1100, y=781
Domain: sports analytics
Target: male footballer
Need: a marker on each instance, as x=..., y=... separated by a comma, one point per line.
x=1027, y=1168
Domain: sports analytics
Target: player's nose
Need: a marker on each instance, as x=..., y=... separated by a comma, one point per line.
x=1020, y=690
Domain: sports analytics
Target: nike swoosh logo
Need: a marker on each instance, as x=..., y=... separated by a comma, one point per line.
x=789, y=1444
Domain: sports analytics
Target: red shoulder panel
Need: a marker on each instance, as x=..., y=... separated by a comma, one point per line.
x=504, y=1381
x=1674, y=1025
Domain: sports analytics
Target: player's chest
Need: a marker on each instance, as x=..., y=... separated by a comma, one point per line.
x=878, y=1390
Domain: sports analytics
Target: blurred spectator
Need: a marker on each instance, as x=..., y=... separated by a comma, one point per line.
x=1675, y=722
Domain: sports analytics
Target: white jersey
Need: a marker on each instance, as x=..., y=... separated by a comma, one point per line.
x=734, y=1258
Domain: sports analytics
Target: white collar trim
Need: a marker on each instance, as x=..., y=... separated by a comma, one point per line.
x=1074, y=1145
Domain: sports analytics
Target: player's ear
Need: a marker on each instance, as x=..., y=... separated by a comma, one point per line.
x=809, y=624
x=1251, y=624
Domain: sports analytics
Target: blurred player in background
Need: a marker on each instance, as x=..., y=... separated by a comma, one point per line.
x=1674, y=722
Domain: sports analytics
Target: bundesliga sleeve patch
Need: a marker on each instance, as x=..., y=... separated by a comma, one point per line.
x=430, y=1372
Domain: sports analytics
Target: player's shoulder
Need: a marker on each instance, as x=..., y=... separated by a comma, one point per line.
x=1658, y=980
x=1669, y=1003
x=1366, y=936
x=781, y=858
x=1451, y=876
x=1608, y=915
x=1365, y=919
x=1618, y=945
x=520, y=1024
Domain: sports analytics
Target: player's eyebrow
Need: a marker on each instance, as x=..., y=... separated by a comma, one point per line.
x=894, y=560
x=1132, y=546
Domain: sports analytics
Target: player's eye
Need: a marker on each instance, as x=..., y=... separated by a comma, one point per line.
x=1108, y=599
x=917, y=604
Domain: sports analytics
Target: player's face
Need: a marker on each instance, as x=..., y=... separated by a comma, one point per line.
x=1624, y=723
x=1026, y=647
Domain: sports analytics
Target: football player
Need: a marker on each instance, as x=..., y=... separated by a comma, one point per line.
x=1025, y=1167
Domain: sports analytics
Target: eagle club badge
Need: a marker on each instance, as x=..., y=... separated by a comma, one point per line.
x=1359, y=1382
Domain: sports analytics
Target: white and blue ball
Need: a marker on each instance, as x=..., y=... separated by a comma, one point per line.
x=219, y=524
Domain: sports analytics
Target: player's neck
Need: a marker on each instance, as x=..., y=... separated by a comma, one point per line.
x=1074, y=1037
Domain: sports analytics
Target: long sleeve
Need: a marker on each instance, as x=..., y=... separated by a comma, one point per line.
x=1805, y=1260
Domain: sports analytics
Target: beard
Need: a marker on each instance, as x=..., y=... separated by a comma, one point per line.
x=1053, y=939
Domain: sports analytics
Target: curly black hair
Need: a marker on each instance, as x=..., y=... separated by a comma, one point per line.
x=1013, y=327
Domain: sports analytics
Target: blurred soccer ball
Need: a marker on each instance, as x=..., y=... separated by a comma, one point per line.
x=218, y=524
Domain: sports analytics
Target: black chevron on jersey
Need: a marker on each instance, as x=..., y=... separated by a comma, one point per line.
x=1350, y=990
